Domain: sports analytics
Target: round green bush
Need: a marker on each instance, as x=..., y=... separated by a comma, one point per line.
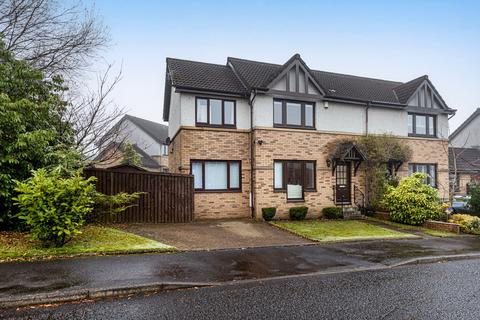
x=268, y=213
x=474, y=202
x=412, y=202
x=54, y=207
x=298, y=213
x=332, y=212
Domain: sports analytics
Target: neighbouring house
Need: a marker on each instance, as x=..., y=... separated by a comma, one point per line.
x=464, y=169
x=465, y=154
x=148, y=138
x=258, y=134
x=467, y=135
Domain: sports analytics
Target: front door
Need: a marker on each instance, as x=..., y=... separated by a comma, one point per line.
x=343, y=185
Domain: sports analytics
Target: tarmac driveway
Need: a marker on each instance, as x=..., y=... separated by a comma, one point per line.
x=218, y=234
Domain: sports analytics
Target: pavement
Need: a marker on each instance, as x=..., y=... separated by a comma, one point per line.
x=46, y=281
x=428, y=291
x=216, y=234
x=25, y=283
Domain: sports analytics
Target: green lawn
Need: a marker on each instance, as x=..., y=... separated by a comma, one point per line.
x=435, y=233
x=326, y=231
x=93, y=240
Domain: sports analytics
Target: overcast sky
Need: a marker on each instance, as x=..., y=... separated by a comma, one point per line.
x=398, y=40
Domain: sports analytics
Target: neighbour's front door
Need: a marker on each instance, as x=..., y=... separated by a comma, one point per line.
x=342, y=187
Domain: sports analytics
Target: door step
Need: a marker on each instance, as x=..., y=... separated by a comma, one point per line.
x=351, y=213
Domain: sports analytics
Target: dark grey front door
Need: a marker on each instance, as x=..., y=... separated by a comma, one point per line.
x=343, y=183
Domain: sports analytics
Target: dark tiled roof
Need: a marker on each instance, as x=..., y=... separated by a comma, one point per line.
x=260, y=74
x=465, y=123
x=348, y=86
x=405, y=90
x=204, y=76
x=158, y=131
x=247, y=74
x=147, y=161
x=467, y=159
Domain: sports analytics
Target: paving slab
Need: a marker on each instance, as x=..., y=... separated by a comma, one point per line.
x=218, y=234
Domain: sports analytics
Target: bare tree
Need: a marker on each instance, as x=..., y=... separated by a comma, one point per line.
x=66, y=40
x=93, y=115
x=57, y=39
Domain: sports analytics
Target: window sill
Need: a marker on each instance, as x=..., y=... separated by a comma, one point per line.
x=293, y=127
x=285, y=191
x=422, y=136
x=224, y=126
x=295, y=200
x=218, y=191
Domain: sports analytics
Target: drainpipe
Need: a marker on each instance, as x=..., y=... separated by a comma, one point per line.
x=366, y=200
x=252, y=200
x=366, y=117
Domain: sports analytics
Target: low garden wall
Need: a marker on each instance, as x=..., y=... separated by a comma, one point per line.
x=442, y=226
x=430, y=224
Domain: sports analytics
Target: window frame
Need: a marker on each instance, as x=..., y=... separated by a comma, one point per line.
x=428, y=118
x=284, y=123
x=284, y=175
x=223, y=124
x=229, y=189
x=415, y=164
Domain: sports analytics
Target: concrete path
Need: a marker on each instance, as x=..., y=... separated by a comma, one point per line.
x=218, y=234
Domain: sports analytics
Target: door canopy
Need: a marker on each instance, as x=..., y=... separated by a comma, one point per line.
x=347, y=152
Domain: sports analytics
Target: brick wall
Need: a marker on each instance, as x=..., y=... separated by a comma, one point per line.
x=214, y=144
x=280, y=144
x=430, y=151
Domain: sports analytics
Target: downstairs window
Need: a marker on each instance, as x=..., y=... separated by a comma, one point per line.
x=294, y=177
x=429, y=169
x=216, y=175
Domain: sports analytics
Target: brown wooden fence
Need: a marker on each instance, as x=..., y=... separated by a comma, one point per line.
x=168, y=197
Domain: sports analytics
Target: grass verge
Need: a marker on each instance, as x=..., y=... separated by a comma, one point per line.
x=431, y=232
x=329, y=231
x=93, y=240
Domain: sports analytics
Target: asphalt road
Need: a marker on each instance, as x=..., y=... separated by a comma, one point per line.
x=449, y=290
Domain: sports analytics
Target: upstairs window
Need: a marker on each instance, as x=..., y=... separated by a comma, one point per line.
x=215, y=112
x=429, y=169
x=421, y=125
x=293, y=114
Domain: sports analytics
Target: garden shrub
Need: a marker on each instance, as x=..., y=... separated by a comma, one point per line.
x=468, y=224
x=474, y=202
x=332, y=212
x=380, y=151
x=268, y=213
x=298, y=213
x=54, y=207
x=111, y=204
x=412, y=202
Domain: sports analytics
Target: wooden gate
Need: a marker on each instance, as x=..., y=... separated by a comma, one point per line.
x=167, y=197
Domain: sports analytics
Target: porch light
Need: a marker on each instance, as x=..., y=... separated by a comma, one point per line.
x=329, y=163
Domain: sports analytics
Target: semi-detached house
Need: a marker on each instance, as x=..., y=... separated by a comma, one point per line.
x=257, y=134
